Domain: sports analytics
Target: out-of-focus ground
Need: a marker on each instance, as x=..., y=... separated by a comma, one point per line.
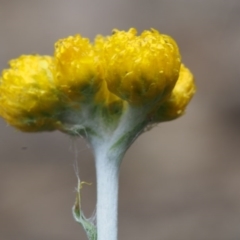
x=180, y=181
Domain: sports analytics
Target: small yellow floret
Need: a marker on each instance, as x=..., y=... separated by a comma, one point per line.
x=28, y=98
x=141, y=69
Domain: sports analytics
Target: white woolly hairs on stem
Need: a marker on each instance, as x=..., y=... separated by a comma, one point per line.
x=107, y=170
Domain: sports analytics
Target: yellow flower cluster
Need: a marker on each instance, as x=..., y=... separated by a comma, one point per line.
x=115, y=71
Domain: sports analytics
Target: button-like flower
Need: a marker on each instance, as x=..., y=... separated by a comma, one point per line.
x=29, y=99
x=107, y=91
x=141, y=69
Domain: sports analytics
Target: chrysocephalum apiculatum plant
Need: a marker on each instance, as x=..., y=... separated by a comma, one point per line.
x=108, y=92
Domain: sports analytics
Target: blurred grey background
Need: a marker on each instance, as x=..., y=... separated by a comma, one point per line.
x=180, y=181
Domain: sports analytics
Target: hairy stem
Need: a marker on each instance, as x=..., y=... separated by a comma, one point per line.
x=109, y=152
x=107, y=170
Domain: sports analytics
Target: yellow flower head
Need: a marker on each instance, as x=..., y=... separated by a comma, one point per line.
x=175, y=105
x=76, y=68
x=141, y=69
x=96, y=81
x=28, y=97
